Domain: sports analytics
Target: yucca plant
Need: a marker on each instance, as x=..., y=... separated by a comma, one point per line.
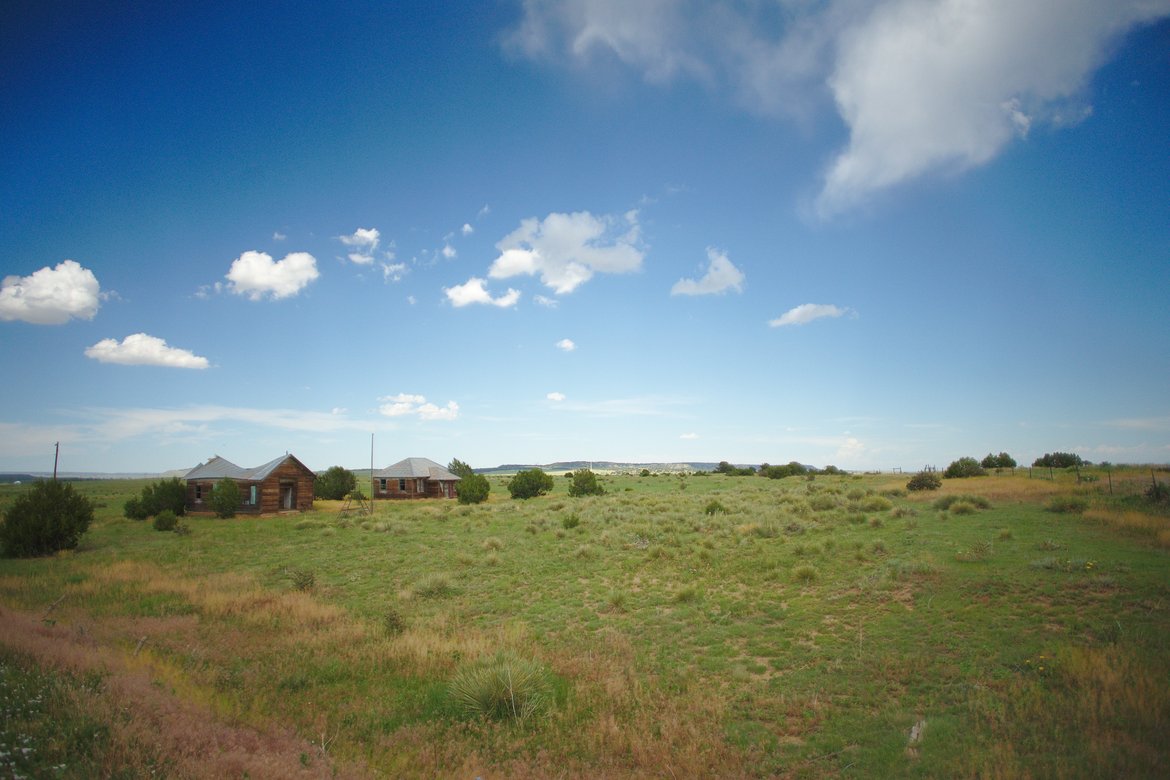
x=503, y=687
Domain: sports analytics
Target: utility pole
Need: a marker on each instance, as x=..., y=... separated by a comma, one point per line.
x=371, y=474
x=56, y=454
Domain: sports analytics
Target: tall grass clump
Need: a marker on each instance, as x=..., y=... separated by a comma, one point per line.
x=1067, y=505
x=504, y=687
x=974, y=502
x=435, y=585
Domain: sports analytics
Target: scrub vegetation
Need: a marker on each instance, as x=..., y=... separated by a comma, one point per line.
x=740, y=626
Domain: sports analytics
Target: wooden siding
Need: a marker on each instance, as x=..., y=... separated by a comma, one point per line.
x=414, y=487
x=271, y=492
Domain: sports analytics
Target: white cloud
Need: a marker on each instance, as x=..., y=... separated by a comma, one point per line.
x=278, y=236
x=806, y=313
x=721, y=276
x=545, y=301
x=140, y=349
x=567, y=249
x=448, y=252
x=483, y=212
x=365, y=242
x=467, y=229
x=51, y=296
x=566, y=345
x=923, y=86
x=689, y=436
x=406, y=404
x=256, y=275
x=474, y=290
x=555, y=396
x=393, y=272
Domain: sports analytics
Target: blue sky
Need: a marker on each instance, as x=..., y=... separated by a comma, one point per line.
x=869, y=233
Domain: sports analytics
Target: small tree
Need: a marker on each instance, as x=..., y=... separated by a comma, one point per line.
x=51, y=516
x=335, y=484
x=1000, y=461
x=530, y=483
x=459, y=468
x=166, y=494
x=585, y=484
x=1059, y=460
x=964, y=467
x=225, y=498
x=924, y=480
x=473, y=489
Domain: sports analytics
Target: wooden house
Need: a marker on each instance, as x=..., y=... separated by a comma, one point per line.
x=281, y=485
x=415, y=478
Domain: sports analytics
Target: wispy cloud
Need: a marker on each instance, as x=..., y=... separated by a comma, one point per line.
x=923, y=86
x=141, y=349
x=257, y=276
x=639, y=406
x=51, y=296
x=566, y=345
x=566, y=250
x=554, y=396
x=806, y=313
x=364, y=242
x=721, y=276
x=409, y=405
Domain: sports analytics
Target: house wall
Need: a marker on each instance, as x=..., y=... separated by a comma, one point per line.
x=429, y=488
x=288, y=472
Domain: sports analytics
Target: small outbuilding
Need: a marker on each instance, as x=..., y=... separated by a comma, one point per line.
x=415, y=478
x=281, y=485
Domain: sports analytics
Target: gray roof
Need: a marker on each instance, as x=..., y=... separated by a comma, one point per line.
x=222, y=468
x=412, y=468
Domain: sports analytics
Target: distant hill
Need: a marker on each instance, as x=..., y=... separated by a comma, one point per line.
x=601, y=466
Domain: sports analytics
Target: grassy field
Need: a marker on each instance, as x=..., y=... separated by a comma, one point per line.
x=686, y=626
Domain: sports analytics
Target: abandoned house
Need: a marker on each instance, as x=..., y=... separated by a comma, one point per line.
x=415, y=478
x=281, y=485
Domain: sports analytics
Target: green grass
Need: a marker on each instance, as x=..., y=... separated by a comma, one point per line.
x=785, y=633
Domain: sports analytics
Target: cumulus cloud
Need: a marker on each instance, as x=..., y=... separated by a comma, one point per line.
x=467, y=229
x=393, y=272
x=364, y=241
x=721, y=276
x=474, y=290
x=448, y=252
x=256, y=274
x=408, y=405
x=923, y=86
x=555, y=396
x=806, y=313
x=566, y=345
x=141, y=349
x=566, y=250
x=51, y=296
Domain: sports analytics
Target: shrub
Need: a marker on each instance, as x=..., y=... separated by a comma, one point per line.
x=877, y=504
x=948, y=502
x=493, y=543
x=303, y=579
x=924, y=480
x=714, y=508
x=962, y=508
x=165, y=521
x=644, y=473
x=1158, y=493
x=434, y=586
x=393, y=622
x=166, y=494
x=1068, y=504
x=50, y=516
x=585, y=484
x=1000, y=461
x=530, y=483
x=473, y=489
x=964, y=467
x=1058, y=460
x=569, y=522
x=459, y=468
x=505, y=687
x=225, y=498
x=335, y=484
x=805, y=573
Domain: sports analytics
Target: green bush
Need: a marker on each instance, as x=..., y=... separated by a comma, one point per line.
x=225, y=498
x=714, y=507
x=570, y=522
x=530, y=484
x=1059, y=460
x=48, y=517
x=165, y=521
x=505, y=687
x=166, y=494
x=473, y=489
x=964, y=467
x=924, y=480
x=585, y=484
x=335, y=484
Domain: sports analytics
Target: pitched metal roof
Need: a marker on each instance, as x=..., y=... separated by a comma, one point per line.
x=412, y=468
x=222, y=468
